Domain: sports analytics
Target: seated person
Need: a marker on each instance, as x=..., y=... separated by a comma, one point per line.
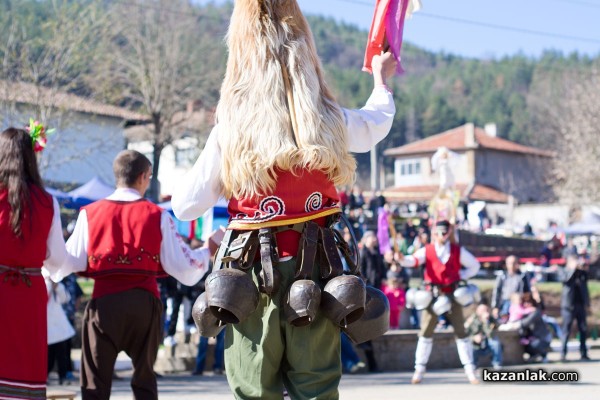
x=481, y=327
x=528, y=319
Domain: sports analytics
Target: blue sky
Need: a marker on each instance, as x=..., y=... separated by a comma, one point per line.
x=465, y=27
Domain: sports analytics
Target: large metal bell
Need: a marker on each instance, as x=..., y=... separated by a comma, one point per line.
x=422, y=299
x=343, y=299
x=463, y=295
x=231, y=294
x=208, y=325
x=374, y=322
x=410, y=297
x=442, y=305
x=302, y=302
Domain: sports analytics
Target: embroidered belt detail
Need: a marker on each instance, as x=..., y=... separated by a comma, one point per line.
x=19, y=274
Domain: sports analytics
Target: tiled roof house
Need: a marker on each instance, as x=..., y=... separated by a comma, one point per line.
x=488, y=168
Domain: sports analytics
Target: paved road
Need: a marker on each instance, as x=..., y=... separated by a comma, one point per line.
x=440, y=384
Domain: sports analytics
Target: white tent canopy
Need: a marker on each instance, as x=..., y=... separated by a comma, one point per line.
x=91, y=191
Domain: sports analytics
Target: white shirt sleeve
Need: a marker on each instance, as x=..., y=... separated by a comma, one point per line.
x=201, y=186
x=414, y=260
x=76, y=248
x=469, y=263
x=57, y=258
x=178, y=260
x=369, y=125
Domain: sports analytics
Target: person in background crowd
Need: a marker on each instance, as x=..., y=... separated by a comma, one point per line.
x=410, y=231
x=546, y=254
x=507, y=283
x=420, y=242
x=371, y=261
x=400, y=243
x=384, y=236
x=70, y=308
x=60, y=330
x=344, y=195
x=526, y=316
x=30, y=236
x=575, y=303
x=481, y=327
x=356, y=198
x=395, y=292
x=181, y=292
x=350, y=361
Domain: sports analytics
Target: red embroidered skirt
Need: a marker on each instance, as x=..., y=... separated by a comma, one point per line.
x=23, y=337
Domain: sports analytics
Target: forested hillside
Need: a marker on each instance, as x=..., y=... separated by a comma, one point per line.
x=437, y=92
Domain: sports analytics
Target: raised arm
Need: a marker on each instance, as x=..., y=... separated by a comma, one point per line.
x=369, y=125
x=200, y=188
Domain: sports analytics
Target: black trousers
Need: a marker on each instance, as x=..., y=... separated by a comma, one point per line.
x=59, y=353
x=127, y=321
x=568, y=316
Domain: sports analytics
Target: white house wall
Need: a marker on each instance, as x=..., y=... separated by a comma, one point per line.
x=83, y=145
x=170, y=170
x=427, y=177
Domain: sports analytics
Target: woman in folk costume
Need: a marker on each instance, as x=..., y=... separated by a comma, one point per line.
x=280, y=146
x=31, y=235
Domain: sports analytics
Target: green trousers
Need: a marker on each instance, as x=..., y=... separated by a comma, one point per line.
x=264, y=353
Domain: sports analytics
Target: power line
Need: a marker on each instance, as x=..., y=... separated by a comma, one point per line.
x=495, y=26
x=508, y=28
x=580, y=3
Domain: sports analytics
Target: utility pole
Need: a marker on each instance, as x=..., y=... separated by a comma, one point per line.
x=374, y=185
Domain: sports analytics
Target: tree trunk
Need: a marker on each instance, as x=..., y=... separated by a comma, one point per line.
x=154, y=192
x=158, y=147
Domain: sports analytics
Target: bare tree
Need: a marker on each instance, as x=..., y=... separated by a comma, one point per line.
x=567, y=110
x=51, y=52
x=157, y=60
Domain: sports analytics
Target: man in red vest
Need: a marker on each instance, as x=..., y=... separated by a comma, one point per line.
x=443, y=261
x=125, y=242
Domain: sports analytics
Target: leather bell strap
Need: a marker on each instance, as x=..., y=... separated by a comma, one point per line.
x=331, y=263
x=346, y=253
x=241, y=251
x=307, y=250
x=267, y=257
x=223, y=247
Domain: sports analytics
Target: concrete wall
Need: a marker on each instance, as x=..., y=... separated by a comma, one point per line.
x=395, y=351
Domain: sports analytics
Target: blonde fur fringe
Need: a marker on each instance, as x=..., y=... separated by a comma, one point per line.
x=255, y=133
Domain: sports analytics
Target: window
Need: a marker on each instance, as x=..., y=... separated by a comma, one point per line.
x=410, y=167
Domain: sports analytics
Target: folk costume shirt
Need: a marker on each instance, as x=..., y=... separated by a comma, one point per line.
x=176, y=258
x=469, y=263
x=201, y=187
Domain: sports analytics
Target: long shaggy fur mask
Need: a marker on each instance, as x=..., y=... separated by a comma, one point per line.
x=255, y=129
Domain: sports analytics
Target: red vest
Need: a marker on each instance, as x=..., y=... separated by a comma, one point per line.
x=439, y=273
x=124, y=246
x=306, y=196
x=28, y=251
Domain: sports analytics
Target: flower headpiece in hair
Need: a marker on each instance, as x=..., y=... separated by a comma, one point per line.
x=38, y=134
